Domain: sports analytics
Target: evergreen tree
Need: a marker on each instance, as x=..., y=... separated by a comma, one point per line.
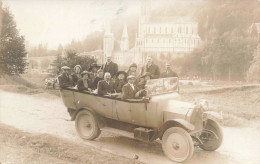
x=12, y=47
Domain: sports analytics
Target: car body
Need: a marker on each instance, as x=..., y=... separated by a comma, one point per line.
x=159, y=115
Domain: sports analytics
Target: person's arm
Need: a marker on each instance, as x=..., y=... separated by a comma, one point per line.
x=80, y=85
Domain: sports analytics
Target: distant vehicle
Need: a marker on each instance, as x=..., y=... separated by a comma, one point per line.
x=159, y=115
x=50, y=83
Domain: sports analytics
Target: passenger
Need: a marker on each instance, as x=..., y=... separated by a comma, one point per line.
x=120, y=81
x=65, y=79
x=132, y=70
x=76, y=76
x=93, y=68
x=84, y=84
x=168, y=72
x=151, y=67
x=106, y=86
x=144, y=79
x=130, y=89
x=110, y=67
x=100, y=75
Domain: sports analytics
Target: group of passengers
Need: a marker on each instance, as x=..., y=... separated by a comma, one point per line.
x=107, y=80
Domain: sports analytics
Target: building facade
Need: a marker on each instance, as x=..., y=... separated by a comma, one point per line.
x=165, y=35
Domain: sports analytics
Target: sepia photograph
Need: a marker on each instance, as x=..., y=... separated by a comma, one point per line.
x=129, y=81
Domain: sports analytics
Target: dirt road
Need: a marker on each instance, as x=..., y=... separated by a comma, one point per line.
x=45, y=113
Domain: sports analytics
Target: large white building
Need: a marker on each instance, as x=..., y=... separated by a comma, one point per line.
x=158, y=35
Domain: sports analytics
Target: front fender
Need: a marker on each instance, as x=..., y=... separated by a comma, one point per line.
x=213, y=115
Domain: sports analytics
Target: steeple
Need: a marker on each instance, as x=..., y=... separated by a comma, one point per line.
x=124, y=45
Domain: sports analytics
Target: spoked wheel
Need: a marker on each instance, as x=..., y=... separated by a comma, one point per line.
x=177, y=144
x=211, y=136
x=86, y=125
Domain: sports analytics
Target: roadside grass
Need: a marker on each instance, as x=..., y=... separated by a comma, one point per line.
x=234, y=102
x=59, y=148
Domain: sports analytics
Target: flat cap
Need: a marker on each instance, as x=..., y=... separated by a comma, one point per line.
x=65, y=68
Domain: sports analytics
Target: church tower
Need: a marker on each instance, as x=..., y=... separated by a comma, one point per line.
x=124, y=45
x=108, y=41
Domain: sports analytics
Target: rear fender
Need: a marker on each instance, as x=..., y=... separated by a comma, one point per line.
x=175, y=123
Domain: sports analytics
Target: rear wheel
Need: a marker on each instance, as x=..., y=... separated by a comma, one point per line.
x=211, y=136
x=87, y=125
x=177, y=144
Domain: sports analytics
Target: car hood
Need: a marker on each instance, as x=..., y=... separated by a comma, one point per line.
x=171, y=103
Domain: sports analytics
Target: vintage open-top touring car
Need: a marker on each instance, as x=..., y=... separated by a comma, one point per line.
x=159, y=115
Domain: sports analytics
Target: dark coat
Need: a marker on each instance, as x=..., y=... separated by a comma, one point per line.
x=103, y=88
x=75, y=78
x=112, y=68
x=119, y=85
x=96, y=80
x=65, y=81
x=81, y=86
x=128, y=92
x=169, y=73
x=153, y=69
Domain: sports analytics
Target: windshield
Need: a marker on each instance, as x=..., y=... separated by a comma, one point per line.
x=160, y=86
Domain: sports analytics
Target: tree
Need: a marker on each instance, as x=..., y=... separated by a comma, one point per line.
x=12, y=47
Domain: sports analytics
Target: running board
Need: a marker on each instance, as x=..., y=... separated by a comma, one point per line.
x=118, y=131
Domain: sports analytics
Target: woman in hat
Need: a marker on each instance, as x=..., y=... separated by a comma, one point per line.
x=76, y=76
x=93, y=70
x=120, y=81
x=146, y=76
x=132, y=70
x=84, y=84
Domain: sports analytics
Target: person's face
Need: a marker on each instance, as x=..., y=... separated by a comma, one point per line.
x=121, y=76
x=147, y=78
x=77, y=70
x=149, y=60
x=94, y=69
x=108, y=59
x=85, y=76
x=66, y=71
x=107, y=77
x=100, y=74
x=133, y=69
x=131, y=80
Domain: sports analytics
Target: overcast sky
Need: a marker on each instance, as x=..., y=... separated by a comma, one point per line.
x=59, y=21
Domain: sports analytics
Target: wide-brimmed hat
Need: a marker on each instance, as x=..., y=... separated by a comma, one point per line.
x=133, y=65
x=65, y=68
x=121, y=72
x=130, y=77
x=94, y=65
x=77, y=66
x=146, y=74
x=84, y=73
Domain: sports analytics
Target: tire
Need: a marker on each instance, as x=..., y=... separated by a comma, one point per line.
x=177, y=144
x=214, y=143
x=87, y=125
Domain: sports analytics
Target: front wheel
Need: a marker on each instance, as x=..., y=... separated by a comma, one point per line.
x=87, y=125
x=177, y=144
x=211, y=136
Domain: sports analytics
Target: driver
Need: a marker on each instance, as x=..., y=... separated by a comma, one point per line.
x=130, y=89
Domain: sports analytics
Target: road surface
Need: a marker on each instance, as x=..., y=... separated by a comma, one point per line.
x=45, y=113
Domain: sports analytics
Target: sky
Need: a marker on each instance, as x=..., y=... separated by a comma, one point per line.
x=55, y=22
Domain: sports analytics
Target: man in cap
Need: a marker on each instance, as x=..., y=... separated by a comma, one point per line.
x=106, y=86
x=129, y=90
x=65, y=79
x=151, y=67
x=110, y=67
x=168, y=72
x=100, y=75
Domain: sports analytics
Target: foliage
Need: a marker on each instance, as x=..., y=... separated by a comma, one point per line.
x=228, y=47
x=71, y=60
x=12, y=47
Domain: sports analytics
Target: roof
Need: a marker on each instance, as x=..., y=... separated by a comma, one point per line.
x=171, y=19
